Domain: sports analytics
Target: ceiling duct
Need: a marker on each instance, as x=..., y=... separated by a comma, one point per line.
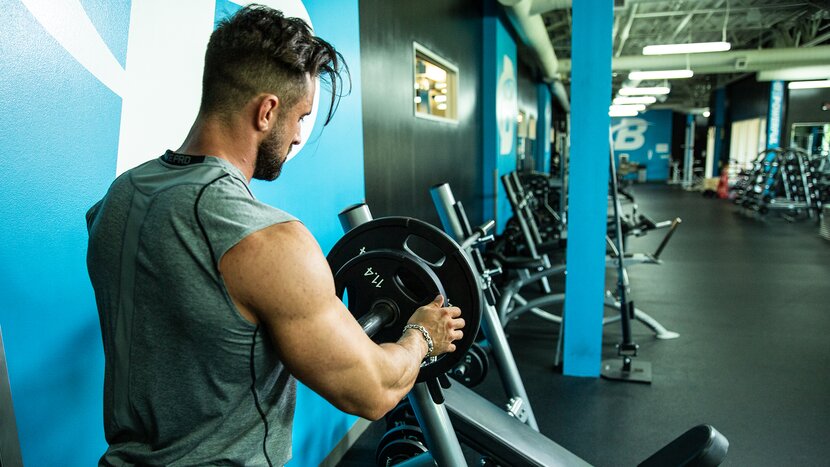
x=531, y=30
x=736, y=61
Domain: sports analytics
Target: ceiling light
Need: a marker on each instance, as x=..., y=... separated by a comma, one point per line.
x=800, y=73
x=622, y=111
x=635, y=100
x=653, y=91
x=693, y=48
x=809, y=84
x=706, y=114
x=659, y=74
x=442, y=106
x=440, y=98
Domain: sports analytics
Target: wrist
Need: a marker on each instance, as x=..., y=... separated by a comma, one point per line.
x=424, y=334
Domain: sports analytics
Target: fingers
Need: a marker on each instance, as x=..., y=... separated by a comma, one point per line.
x=438, y=301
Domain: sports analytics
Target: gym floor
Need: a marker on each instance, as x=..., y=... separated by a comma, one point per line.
x=751, y=301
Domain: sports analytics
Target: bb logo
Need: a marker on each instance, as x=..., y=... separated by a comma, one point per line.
x=161, y=84
x=506, y=106
x=629, y=134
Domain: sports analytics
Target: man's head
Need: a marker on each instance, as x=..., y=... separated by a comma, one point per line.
x=258, y=54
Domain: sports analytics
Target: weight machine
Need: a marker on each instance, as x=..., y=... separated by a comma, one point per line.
x=388, y=267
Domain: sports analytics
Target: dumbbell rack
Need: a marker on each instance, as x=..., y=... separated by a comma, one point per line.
x=783, y=179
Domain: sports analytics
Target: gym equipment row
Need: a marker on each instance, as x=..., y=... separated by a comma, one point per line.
x=787, y=180
x=533, y=266
x=384, y=269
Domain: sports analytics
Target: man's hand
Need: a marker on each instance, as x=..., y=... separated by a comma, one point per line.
x=443, y=324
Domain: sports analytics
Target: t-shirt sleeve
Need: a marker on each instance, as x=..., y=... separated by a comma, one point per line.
x=227, y=213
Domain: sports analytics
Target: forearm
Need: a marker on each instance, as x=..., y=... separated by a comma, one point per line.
x=403, y=361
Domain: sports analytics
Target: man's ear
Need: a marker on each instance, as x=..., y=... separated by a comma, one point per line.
x=266, y=116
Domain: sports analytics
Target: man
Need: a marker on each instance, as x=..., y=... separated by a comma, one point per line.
x=211, y=302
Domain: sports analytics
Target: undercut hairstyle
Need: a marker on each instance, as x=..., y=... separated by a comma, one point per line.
x=259, y=50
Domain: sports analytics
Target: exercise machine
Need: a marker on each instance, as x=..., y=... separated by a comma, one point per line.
x=384, y=269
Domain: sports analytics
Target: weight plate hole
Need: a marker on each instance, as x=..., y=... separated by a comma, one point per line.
x=409, y=285
x=427, y=251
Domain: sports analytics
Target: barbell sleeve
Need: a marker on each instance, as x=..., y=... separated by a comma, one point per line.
x=379, y=316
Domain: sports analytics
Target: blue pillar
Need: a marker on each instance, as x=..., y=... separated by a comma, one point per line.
x=500, y=97
x=588, y=186
x=775, y=114
x=720, y=121
x=543, y=126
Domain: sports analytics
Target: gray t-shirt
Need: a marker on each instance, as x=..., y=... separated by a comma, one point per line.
x=188, y=380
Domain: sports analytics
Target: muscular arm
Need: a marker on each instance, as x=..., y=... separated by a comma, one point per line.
x=279, y=277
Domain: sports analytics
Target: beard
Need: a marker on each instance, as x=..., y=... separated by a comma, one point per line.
x=269, y=157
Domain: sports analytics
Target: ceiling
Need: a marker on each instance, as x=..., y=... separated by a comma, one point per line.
x=746, y=24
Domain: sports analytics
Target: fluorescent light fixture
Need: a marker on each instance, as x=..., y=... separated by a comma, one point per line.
x=622, y=111
x=653, y=91
x=440, y=98
x=440, y=85
x=693, y=48
x=442, y=106
x=635, y=100
x=800, y=73
x=660, y=74
x=809, y=84
x=625, y=110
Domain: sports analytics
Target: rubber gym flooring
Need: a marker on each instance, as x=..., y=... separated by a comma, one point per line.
x=751, y=301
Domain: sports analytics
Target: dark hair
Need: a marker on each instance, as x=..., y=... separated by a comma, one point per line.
x=259, y=50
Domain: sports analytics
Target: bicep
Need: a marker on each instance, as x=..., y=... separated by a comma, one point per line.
x=283, y=277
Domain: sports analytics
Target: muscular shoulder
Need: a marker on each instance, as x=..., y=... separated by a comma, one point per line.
x=277, y=267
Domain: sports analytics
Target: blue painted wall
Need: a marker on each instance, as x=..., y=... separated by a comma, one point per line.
x=543, y=126
x=646, y=139
x=60, y=130
x=500, y=97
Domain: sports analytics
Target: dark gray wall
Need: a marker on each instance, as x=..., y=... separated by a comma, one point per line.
x=747, y=99
x=527, y=91
x=528, y=103
x=804, y=106
x=405, y=155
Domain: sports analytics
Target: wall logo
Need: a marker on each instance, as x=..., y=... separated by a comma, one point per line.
x=629, y=134
x=160, y=86
x=506, y=106
x=548, y=122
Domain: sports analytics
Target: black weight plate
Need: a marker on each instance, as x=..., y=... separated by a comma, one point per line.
x=402, y=414
x=473, y=368
x=411, y=432
x=389, y=275
x=398, y=451
x=449, y=263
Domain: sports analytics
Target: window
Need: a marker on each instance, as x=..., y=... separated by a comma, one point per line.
x=436, y=86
